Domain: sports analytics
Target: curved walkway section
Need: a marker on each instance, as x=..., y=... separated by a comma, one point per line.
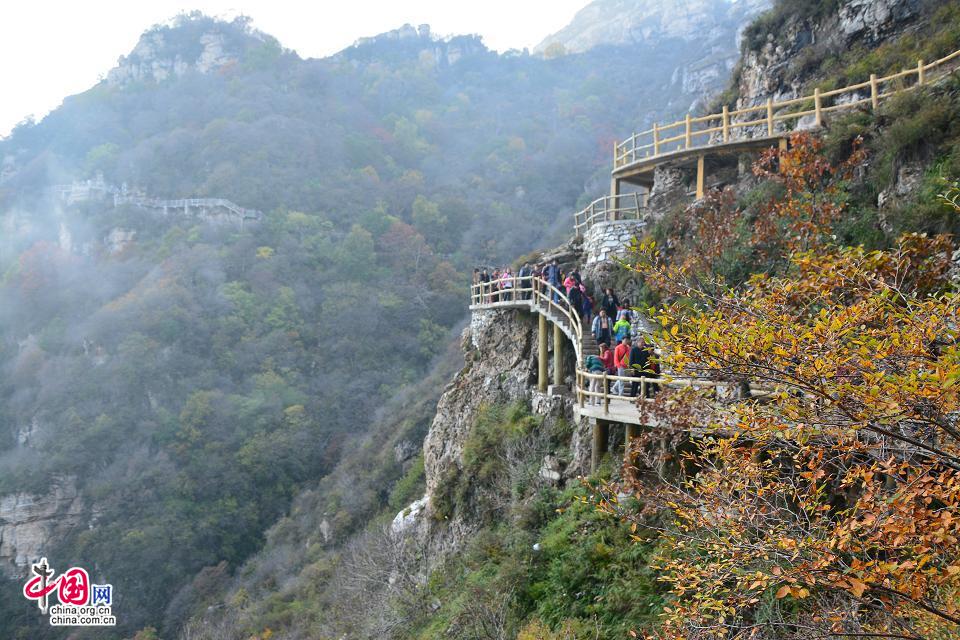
x=760, y=122
x=594, y=391
x=629, y=206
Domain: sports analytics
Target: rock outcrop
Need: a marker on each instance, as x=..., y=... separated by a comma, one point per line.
x=629, y=22
x=29, y=521
x=703, y=34
x=500, y=349
x=197, y=44
x=778, y=68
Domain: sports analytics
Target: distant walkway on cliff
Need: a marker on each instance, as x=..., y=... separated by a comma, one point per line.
x=211, y=209
x=695, y=142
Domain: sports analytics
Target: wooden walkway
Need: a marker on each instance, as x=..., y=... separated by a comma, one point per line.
x=688, y=142
x=539, y=297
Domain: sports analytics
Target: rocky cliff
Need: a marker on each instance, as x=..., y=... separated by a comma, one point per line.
x=704, y=34
x=193, y=43
x=29, y=521
x=779, y=63
x=501, y=368
x=631, y=22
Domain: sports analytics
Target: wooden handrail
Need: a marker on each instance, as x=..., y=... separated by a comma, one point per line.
x=662, y=140
x=625, y=206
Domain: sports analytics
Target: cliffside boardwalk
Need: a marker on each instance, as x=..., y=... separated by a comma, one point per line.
x=682, y=143
x=552, y=306
x=696, y=140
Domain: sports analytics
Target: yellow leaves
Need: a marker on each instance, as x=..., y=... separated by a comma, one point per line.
x=856, y=587
x=792, y=590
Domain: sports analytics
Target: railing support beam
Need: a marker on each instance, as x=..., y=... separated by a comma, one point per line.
x=700, y=171
x=542, y=353
x=817, y=109
x=558, y=339
x=601, y=433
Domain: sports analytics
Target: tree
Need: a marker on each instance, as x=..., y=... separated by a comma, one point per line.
x=829, y=506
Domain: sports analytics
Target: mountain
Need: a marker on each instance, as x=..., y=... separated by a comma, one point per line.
x=227, y=269
x=710, y=25
x=500, y=528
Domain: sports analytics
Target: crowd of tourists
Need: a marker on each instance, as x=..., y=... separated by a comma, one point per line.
x=501, y=285
x=622, y=351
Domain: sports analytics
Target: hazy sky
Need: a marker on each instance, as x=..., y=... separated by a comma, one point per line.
x=49, y=50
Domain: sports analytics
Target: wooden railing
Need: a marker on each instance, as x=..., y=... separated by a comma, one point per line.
x=533, y=293
x=185, y=203
x=539, y=296
x=730, y=126
x=629, y=206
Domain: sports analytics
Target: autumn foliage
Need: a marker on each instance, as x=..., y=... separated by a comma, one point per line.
x=820, y=496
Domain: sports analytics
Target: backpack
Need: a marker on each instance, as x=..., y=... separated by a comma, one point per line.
x=594, y=363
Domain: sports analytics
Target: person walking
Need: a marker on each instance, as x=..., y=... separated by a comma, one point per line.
x=622, y=327
x=595, y=366
x=640, y=363
x=606, y=356
x=621, y=360
x=610, y=303
x=552, y=276
x=506, y=285
x=524, y=274
x=586, y=304
x=602, y=328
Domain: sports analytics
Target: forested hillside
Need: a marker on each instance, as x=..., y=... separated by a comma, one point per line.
x=827, y=271
x=169, y=385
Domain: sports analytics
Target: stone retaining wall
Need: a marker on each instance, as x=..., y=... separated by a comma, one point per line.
x=605, y=240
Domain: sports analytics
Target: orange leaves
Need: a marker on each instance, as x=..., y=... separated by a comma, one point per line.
x=841, y=482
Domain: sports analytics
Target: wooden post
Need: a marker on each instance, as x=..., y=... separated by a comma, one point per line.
x=686, y=141
x=656, y=139
x=874, y=94
x=614, y=187
x=920, y=72
x=558, y=338
x=601, y=433
x=816, y=106
x=580, y=386
x=700, y=170
x=606, y=397
x=542, y=353
x=616, y=154
x=632, y=432
x=769, y=116
x=726, y=123
x=783, y=144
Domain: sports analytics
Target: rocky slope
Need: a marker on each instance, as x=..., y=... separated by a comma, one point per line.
x=166, y=53
x=704, y=33
x=28, y=521
x=779, y=66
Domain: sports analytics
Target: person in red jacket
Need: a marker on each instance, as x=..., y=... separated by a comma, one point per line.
x=621, y=360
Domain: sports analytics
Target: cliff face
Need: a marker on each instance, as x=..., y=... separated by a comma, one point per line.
x=195, y=44
x=29, y=521
x=501, y=367
x=631, y=22
x=779, y=67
